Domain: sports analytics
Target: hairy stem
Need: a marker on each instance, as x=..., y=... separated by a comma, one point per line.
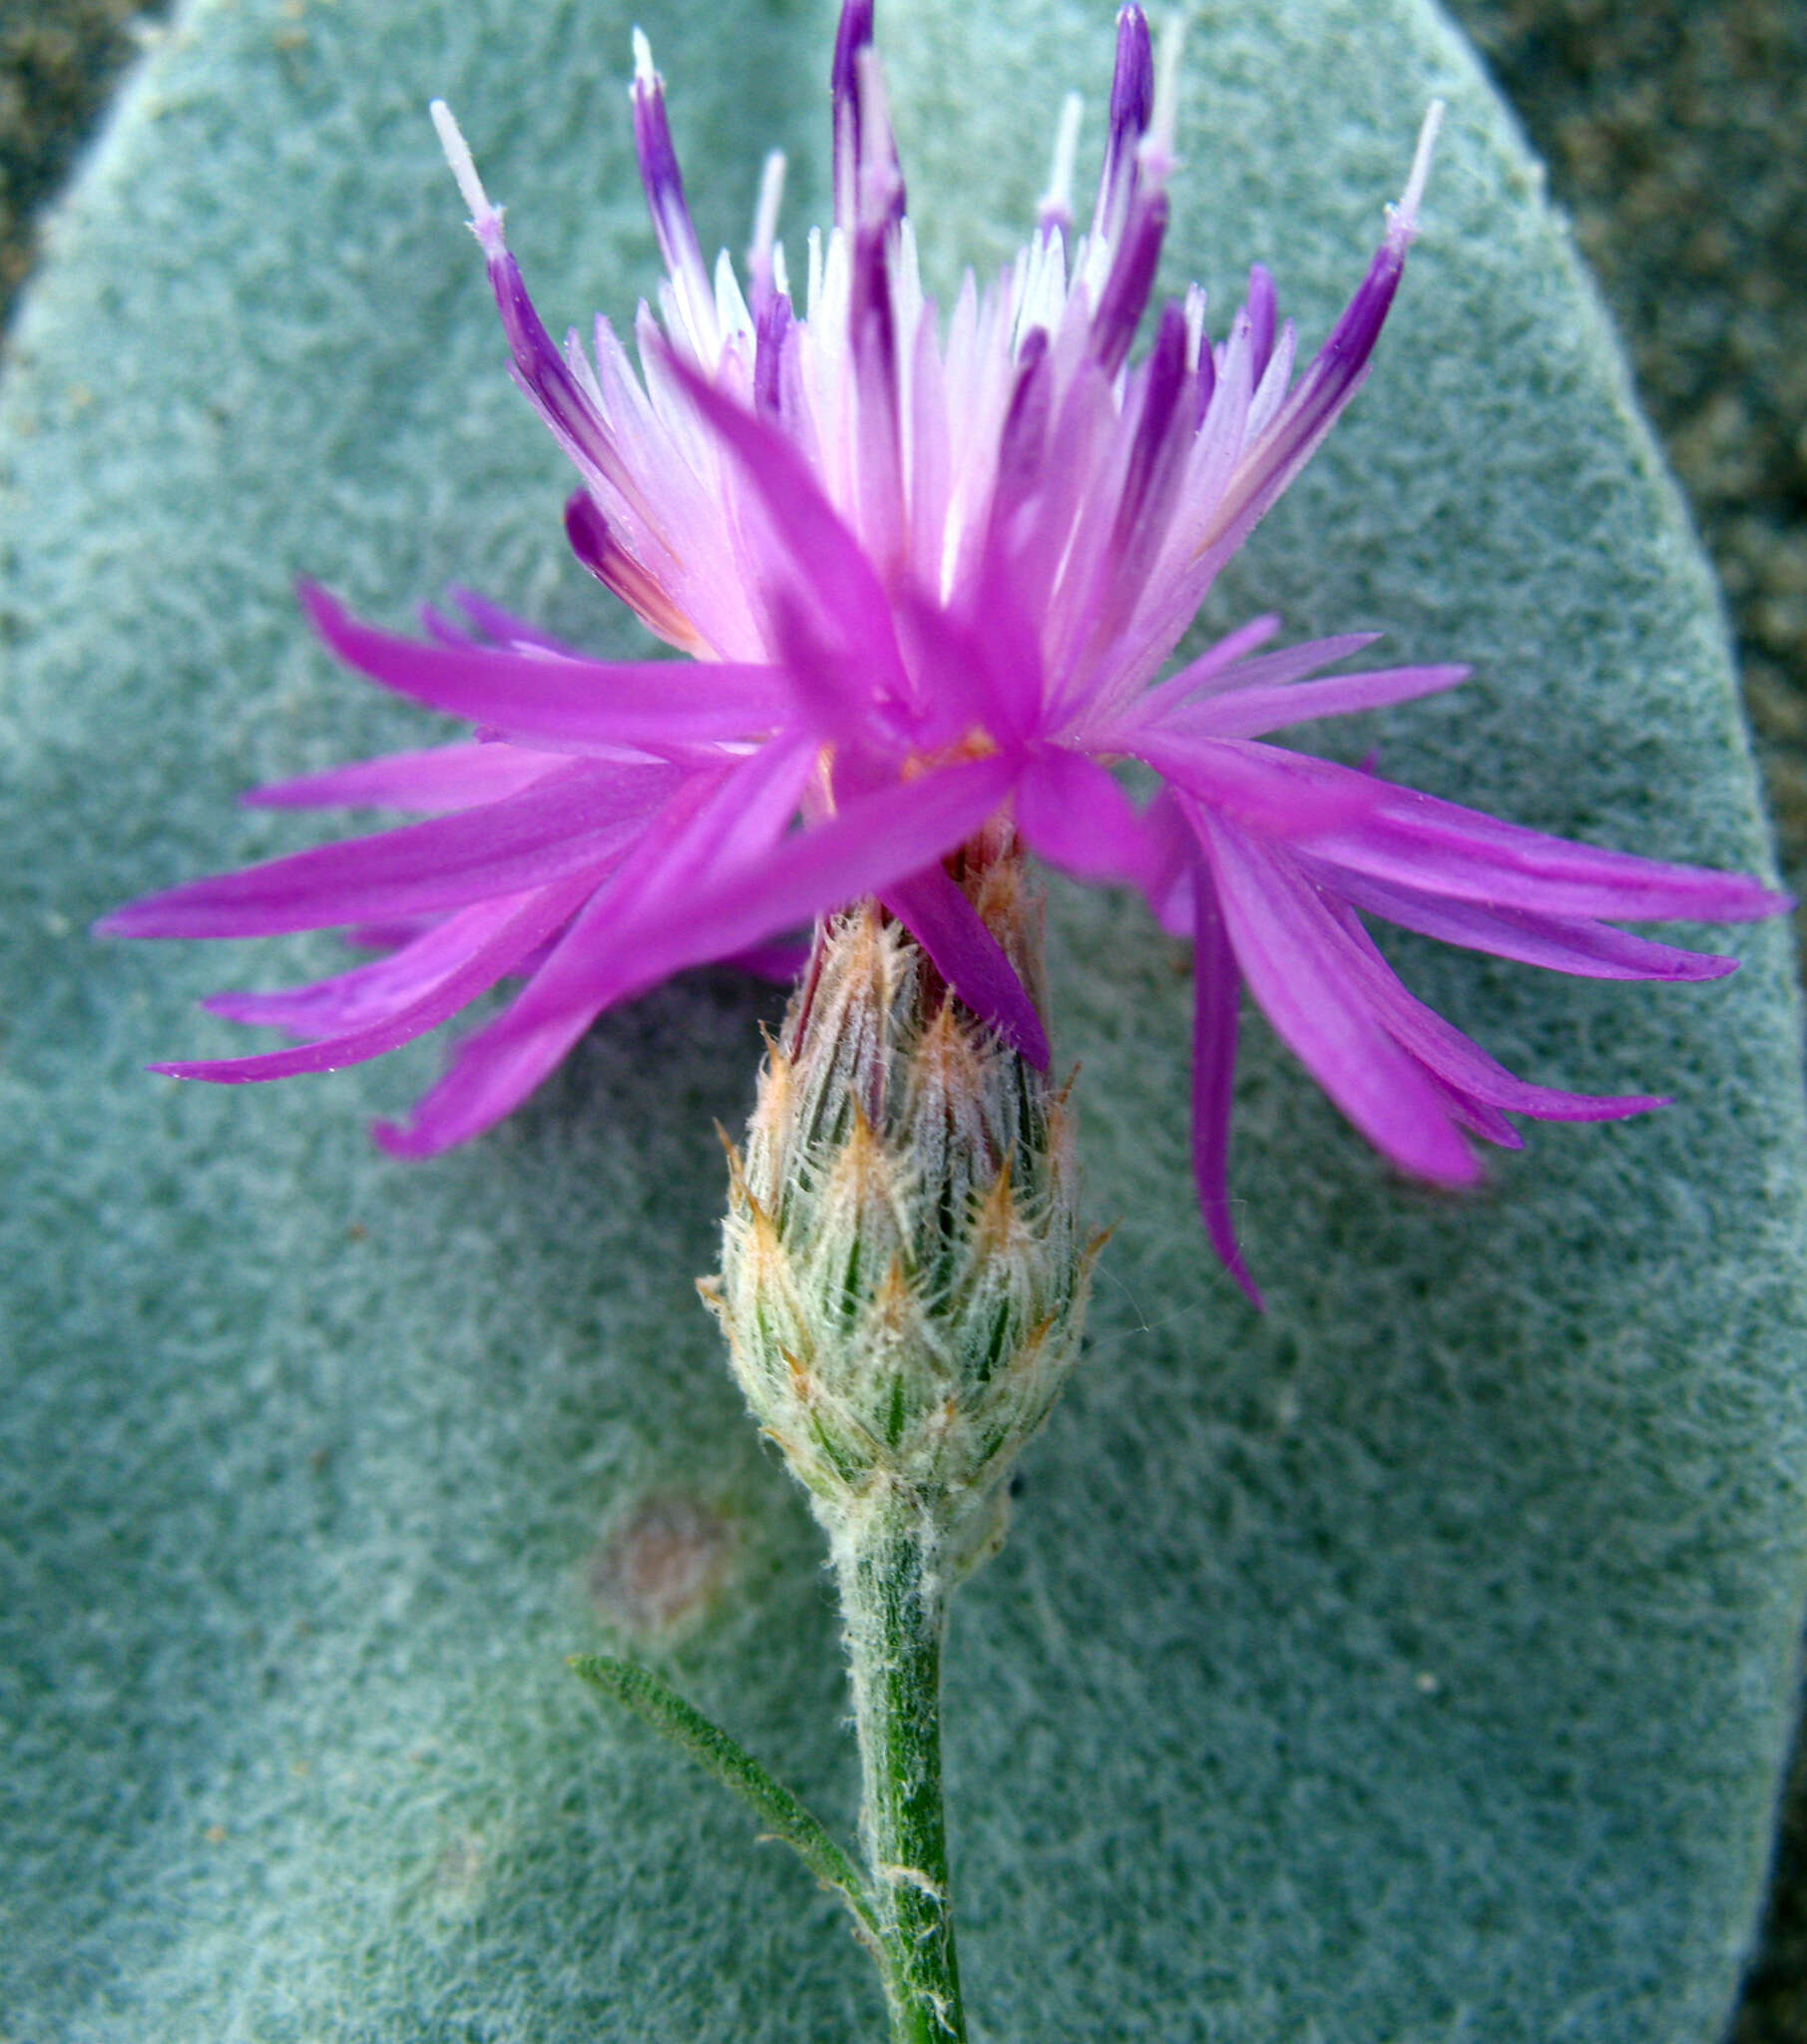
x=894, y=1596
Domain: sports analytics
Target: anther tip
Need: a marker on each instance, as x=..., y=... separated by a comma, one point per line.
x=1403, y=218
x=486, y=219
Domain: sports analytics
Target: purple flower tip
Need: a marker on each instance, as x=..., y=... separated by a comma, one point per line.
x=929, y=576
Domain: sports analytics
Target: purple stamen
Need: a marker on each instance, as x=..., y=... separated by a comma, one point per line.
x=1206, y=384
x=1025, y=434
x=773, y=328
x=544, y=374
x=1126, y=295
x=1132, y=102
x=853, y=35
x=1262, y=310
x=1152, y=457
x=659, y=171
x=1336, y=373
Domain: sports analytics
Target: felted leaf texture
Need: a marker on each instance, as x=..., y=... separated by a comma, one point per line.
x=1410, y=1663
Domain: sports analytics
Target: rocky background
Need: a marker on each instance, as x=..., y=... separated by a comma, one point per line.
x=1673, y=133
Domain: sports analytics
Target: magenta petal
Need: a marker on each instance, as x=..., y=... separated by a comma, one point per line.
x=827, y=679
x=864, y=848
x=495, y=1069
x=725, y=814
x=590, y=968
x=1574, y=944
x=1217, y=1016
x=1280, y=794
x=442, y=779
x=1251, y=712
x=643, y=703
x=574, y=819
x=1439, y=848
x=1074, y=815
x=935, y=910
x=474, y=974
x=1223, y=671
x=505, y=628
x=982, y=665
x=491, y=1073
x=713, y=820
x=1451, y=1056
x=684, y=910
x=1287, y=945
x=1173, y=861
x=1476, y=1116
x=371, y=993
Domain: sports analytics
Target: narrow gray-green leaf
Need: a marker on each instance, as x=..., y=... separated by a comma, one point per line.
x=658, y=1704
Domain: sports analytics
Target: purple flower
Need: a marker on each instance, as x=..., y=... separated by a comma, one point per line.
x=929, y=573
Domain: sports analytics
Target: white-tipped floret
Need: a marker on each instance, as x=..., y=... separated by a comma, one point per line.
x=1055, y=208
x=1402, y=219
x=644, y=77
x=484, y=216
x=1155, y=154
x=1195, y=326
x=765, y=214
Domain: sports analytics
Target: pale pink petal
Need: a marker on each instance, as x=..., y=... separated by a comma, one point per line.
x=1330, y=381
x=821, y=555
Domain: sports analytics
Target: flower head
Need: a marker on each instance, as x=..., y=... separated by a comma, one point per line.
x=929, y=573
x=903, y=1274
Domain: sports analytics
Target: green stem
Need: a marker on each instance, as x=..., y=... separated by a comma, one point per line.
x=894, y=1596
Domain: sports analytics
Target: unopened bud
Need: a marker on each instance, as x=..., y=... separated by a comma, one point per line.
x=903, y=1279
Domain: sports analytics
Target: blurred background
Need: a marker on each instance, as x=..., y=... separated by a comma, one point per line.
x=1674, y=132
